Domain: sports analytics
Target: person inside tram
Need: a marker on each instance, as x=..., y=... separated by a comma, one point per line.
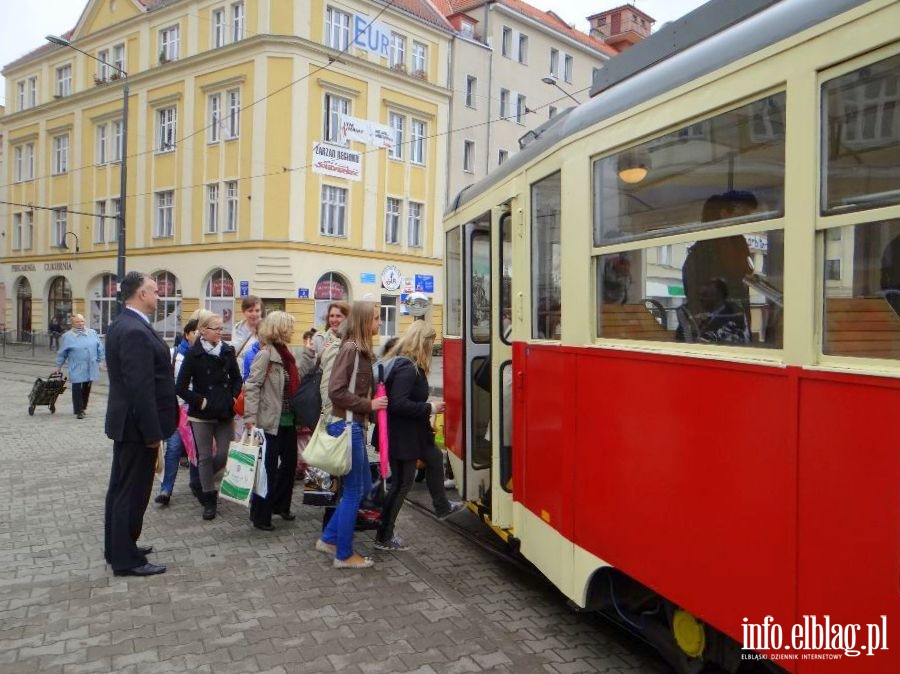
x=726, y=259
x=721, y=321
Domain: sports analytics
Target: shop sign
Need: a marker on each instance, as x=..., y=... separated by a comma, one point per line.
x=372, y=36
x=23, y=267
x=367, y=277
x=330, y=290
x=364, y=131
x=339, y=162
x=391, y=278
x=245, y=288
x=424, y=283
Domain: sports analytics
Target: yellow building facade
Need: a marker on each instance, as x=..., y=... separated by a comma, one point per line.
x=239, y=179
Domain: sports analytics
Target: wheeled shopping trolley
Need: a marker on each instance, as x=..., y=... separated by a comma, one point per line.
x=46, y=391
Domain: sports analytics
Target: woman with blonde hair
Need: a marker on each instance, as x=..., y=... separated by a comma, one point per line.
x=329, y=347
x=404, y=371
x=272, y=381
x=209, y=381
x=350, y=389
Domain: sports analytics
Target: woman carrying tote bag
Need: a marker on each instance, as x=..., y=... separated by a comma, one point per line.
x=352, y=405
x=273, y=380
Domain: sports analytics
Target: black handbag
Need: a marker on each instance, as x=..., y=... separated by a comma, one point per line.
x=306, y=403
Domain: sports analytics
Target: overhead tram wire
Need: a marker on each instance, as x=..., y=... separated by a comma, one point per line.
x=331, y=60
x=284, y=169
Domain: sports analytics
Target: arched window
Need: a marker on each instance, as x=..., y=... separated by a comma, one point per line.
x=59, y=300
x=23, y=309
x=330, y=287
x=103, y=303
x=167, y=321
x=219, y=298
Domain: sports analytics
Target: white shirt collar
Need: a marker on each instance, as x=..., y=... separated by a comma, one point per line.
x=139, y=313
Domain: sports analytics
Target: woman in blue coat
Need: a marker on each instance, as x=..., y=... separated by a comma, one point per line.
x=83, y=350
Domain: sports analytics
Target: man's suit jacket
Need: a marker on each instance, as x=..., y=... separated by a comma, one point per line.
x=142, y=406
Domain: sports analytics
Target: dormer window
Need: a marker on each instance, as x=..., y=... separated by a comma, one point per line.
x=467, y=28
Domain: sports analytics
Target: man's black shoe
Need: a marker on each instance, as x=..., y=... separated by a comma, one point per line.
x=145, y=570
x=287, y=515
x=264, y=527
x=145, y=549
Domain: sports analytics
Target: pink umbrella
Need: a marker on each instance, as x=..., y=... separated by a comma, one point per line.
x=381, y=392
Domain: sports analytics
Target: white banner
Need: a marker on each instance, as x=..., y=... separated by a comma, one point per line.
x=340, y=162
x=364, y=131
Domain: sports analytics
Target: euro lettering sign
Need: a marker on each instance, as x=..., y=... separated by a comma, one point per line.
x=335, y=161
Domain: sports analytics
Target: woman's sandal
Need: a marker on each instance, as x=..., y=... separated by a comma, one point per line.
x=344, y=564
x=327, y=548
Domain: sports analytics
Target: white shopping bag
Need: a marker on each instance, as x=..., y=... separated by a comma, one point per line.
x=244, y=459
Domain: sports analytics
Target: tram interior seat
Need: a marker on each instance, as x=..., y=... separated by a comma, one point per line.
x=632, y=321
x=861, y=326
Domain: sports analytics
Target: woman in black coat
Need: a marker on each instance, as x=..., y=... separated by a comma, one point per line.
x=210, y=381
x=404, y=371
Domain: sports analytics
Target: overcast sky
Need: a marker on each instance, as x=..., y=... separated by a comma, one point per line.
x=23, y=24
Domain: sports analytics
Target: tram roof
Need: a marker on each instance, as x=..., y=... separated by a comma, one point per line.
x=712, y=36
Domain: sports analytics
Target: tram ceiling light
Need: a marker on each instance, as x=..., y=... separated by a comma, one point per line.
x=633, y=167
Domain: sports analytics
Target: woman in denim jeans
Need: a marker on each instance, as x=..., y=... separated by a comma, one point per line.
x=350, y=389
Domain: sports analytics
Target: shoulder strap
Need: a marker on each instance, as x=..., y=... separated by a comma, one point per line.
x=353, y=381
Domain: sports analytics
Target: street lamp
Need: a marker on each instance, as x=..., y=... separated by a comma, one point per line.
x=123, y=173
x=67, y=235
x=549, y=79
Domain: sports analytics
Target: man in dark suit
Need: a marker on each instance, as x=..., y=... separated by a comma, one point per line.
x=142, y=412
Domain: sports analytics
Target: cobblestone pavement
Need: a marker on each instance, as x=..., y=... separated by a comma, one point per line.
x=239, y=600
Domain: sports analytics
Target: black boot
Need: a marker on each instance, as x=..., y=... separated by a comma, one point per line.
x=210, y=501
x=197, y=491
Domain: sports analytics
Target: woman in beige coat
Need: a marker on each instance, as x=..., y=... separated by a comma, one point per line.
x=273, y=380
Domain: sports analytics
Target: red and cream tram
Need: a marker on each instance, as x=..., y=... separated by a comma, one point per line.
x=672, y=343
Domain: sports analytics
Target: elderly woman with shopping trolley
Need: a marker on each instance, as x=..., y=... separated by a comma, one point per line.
x=82, y=349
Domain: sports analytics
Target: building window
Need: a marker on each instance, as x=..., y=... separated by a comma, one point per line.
x=20, y=95
x=218, y=28
x=102, y=144
x=337, y=29
x=398, y=51
x=117, y=141
x=502, y=157
x=167, y=320
x=392, y=221
x=100, y=222
x=64, y=80
x=118, y=59
x=554, y=62
x=506, y=42
x=18, y=163
x=61, y=154
x=231, y=206
x=165, y=215
x=215, y=117
x=103, y=303
x=168, y=44
x=568, y=68
x=521, y=109
x=219, y=299
x=17, y=231
x=114, y=222
x=237, y=21
x=471, y=91
x=60, y=227
x=335, y=106
x=396, y=122
x=504, y=103
x=832, y=270
x=329, y=288
x=165, y=129
x=417, y=142
x=103, y=68
x=212, y=208
x=28, y=230
x=414, y=224
x=59, y=299
x=334, y=207
x=28, y=162
x=420, y=60
x=551, y=112
x=233, y=126
x=32, y=92
x=388, y=316
x=523, y=48
x=469, y=156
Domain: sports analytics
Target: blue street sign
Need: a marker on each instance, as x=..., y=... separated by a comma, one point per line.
x=367, y=277
x=303, y=293
x=424, y=283
x=245, y=288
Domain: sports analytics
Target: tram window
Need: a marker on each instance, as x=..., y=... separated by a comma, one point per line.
x=712, y=291
x=862, y=301
x=861, y=138
x=481, y=287
x=662, y=186
x=453, y=305
x=546, y=309
x=480, y=409
x=506, y=450
x=506, y=277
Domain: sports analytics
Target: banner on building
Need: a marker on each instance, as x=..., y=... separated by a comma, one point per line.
x=364, y=131
x=340, y=162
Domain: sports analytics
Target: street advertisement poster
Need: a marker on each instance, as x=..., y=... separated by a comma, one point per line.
x=364, y=131
x=339, y=162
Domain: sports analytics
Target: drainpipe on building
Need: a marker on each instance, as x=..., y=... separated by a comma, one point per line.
x=448, y=141
x=487, y=32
